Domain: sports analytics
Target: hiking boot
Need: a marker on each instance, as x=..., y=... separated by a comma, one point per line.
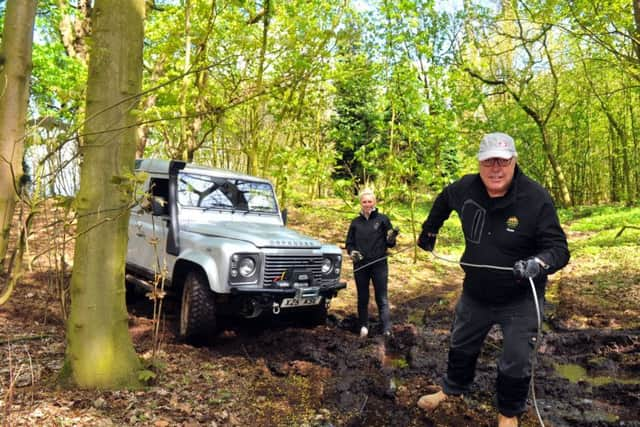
x=364, y=332
x=507, y=421
x=429, y=402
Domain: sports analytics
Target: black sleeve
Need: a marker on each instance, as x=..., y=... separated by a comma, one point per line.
x=551, y=240
x=388, y=226
x=439, y=212
x=351, y=238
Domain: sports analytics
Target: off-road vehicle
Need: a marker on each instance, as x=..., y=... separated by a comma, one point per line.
x=220, y=239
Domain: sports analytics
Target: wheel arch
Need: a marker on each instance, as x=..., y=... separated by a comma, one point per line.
x=195, y=261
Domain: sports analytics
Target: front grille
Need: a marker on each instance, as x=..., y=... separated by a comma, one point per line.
x=275, y=265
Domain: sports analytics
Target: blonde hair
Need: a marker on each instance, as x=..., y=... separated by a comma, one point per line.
x=367, y=192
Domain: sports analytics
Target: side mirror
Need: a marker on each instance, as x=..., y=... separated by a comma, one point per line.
x=283, y=215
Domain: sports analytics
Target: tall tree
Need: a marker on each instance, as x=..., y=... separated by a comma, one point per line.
x=74, y=26
x=15, y=63
x=519, y=58
x=355, y=125
x=100, y=353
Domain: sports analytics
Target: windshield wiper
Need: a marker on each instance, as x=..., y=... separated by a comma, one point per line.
x=262, y=209
x=221, y=207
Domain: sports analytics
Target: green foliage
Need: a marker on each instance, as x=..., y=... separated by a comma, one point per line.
x=146, y=376
x=343, y=189
x=355, y=125
x=151, y=367
x=595, y=229
x=600, y=218
x=58, y=81
x=380, y=95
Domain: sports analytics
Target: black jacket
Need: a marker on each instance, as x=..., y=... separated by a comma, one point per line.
x=369, y=236
x=500, y=231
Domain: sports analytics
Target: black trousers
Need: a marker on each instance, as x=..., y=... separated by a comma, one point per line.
x=473, y=321
x=378, y=273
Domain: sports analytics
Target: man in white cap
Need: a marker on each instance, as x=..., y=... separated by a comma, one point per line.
x=508, y=220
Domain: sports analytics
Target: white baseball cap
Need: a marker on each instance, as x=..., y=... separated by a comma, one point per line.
x=496, y=144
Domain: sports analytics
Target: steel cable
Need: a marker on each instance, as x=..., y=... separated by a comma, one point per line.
x=539, y=333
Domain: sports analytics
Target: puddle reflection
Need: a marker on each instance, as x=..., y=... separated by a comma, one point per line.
x=576, y=373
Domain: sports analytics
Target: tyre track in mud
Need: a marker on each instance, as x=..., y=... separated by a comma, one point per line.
x=377, y=381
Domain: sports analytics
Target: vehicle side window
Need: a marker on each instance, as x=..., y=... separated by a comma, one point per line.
x=159, y=188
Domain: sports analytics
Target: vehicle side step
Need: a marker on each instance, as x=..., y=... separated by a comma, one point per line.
x=145, y=285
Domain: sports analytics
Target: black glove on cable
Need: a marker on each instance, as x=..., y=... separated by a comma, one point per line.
x=392, y=233
x=356, y=256
x=427, y=241
x=526, y=268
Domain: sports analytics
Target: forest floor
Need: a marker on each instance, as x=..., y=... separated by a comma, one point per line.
x=272, y=372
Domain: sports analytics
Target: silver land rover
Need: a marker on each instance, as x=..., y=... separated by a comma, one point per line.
x=221, y=241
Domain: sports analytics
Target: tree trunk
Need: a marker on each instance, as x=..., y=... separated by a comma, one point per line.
x=636, y=20
x=75, y=29
x=100, y=353
x=635, y=186
x=258, y=108
x=185, y=130
x=17, y=41
x=563, y=188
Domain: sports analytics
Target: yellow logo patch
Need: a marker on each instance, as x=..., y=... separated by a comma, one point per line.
x=512, y=223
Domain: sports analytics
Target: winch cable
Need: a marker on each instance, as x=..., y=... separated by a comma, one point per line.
x=382, y=258
x=494, y=267
x=539, y=334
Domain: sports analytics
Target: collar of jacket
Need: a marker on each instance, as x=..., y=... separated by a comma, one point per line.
x=373, y=213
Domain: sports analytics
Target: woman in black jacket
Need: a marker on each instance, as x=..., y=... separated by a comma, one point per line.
x=369, y=236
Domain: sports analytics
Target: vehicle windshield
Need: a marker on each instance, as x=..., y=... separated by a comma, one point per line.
x=208, y=192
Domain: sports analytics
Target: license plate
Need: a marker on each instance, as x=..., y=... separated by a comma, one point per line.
x=300, y=302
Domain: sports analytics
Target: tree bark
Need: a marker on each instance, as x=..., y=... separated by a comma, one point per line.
x=636, y=21
x=74, y=30
x=257, y=110
x=17, y=41
x=100, y=352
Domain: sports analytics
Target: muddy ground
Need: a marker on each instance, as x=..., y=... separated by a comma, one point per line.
x=273, y=372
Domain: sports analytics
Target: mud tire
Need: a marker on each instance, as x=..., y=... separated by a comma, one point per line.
x=197, y=322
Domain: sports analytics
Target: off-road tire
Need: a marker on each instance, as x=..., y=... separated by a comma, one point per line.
x=197, y=321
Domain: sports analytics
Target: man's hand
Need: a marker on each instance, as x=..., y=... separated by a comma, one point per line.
x=356, y=256
x=427, y=241
x=526, y=268
x=392, y=233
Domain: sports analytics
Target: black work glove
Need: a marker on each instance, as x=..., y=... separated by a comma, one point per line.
x=527, y=268
x=356, y=256
x=427, y=241
x=392, y=233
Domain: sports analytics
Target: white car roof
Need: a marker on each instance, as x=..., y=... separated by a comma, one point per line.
x=161, y=166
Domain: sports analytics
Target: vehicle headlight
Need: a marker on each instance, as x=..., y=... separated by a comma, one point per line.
x=243, y=268
x=331, y=266
x=327, y=264
x=247, y=267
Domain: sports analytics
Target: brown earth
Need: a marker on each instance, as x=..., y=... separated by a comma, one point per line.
x=272, y=372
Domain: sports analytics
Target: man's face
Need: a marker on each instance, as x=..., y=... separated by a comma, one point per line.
x=496, y=174
x=367, y=203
